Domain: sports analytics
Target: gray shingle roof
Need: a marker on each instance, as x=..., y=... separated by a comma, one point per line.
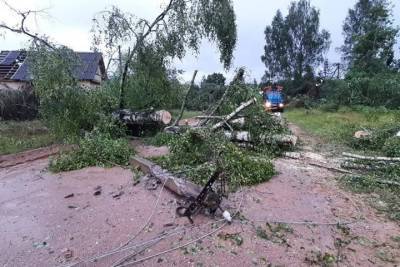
x=86, y=70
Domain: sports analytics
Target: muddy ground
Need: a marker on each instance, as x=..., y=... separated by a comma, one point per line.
x=67, y=219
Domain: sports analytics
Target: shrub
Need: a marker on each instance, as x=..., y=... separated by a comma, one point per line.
x=95, y=149
x=18, y=104
x=379, y=90
x=77, y=110
x=377, y=139
x=392, y=147
x=160, y=139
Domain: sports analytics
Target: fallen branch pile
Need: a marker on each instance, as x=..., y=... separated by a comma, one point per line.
x=360, y=162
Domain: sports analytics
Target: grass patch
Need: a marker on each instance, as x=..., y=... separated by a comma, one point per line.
x=339, y=127
x=18, y=136
x=384, y=197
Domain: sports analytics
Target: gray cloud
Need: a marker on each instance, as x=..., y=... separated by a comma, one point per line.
x=69, y=23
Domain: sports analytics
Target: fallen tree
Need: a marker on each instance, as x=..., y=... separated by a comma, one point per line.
x=280, y=139
x=234, y=113
x=181, y=187
x=369, y=158
x=151, y=118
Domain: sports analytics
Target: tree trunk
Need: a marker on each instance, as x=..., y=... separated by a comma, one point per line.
x=234, y=113
x=130, y=117
x=243, y=136
x=355, y=156
x=185, y=100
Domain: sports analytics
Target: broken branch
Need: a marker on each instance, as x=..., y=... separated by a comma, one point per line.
x=234, y=113
x=373, y=158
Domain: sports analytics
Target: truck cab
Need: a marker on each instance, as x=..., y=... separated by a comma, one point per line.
x=274, y=101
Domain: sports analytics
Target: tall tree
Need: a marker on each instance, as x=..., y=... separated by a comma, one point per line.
x=294, y=44
x=369, y=36
x=179, y=27
x=215, y=78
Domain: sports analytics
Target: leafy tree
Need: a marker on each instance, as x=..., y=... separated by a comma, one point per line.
x=153, y=82
x=369, y=36
x=294, y=44
x=210, y=90
x=215, y=78
x=179, y=27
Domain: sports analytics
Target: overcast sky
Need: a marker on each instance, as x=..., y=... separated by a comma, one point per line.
x=69, y=23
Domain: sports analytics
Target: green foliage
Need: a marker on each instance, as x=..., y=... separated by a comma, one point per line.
x=386, y=197
x=339, y=126
x=153, y=82
x=378, y=137
x=76, y=110
x=160, y=139
x=181, y=26
x=381, y=89
x=370, y=36
x=18, y=136
x=95, y=149
x=197, y=154
x=392, y=146
x=210, y=91
x=262, y=127
x=18, y=104
x=67, y=108
x=294, y=44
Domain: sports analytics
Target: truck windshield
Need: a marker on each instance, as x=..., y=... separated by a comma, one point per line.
x=275, y=97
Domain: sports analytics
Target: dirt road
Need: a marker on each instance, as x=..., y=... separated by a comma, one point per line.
x=60, y=219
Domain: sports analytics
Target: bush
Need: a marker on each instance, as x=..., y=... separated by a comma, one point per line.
x=160, y=139
x=392, y=147
x=95, y=149
x=377, y=139
x=382, y=89
x=18, y=104
x=77, y=110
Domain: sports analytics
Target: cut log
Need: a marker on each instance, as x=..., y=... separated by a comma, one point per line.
x=234, y=113
x=240, y=136
x=160, y=117
x=243, y=136
x=361, y=134
x=181, y=187
x=355, y=156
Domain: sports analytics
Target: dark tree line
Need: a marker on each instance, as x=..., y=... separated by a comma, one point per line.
x=295, y=48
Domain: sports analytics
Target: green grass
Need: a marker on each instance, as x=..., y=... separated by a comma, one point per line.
x=339, y=127
x=18, y=136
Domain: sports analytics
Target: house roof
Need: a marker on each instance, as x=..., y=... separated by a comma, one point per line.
x=15, y=67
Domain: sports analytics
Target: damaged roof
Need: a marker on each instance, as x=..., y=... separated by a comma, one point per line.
x=15, y=67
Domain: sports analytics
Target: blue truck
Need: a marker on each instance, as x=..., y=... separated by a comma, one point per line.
x=274, y=101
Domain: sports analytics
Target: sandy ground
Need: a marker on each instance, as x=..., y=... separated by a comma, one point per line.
x=61, y=219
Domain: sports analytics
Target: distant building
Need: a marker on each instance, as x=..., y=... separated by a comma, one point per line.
x=15, y=75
